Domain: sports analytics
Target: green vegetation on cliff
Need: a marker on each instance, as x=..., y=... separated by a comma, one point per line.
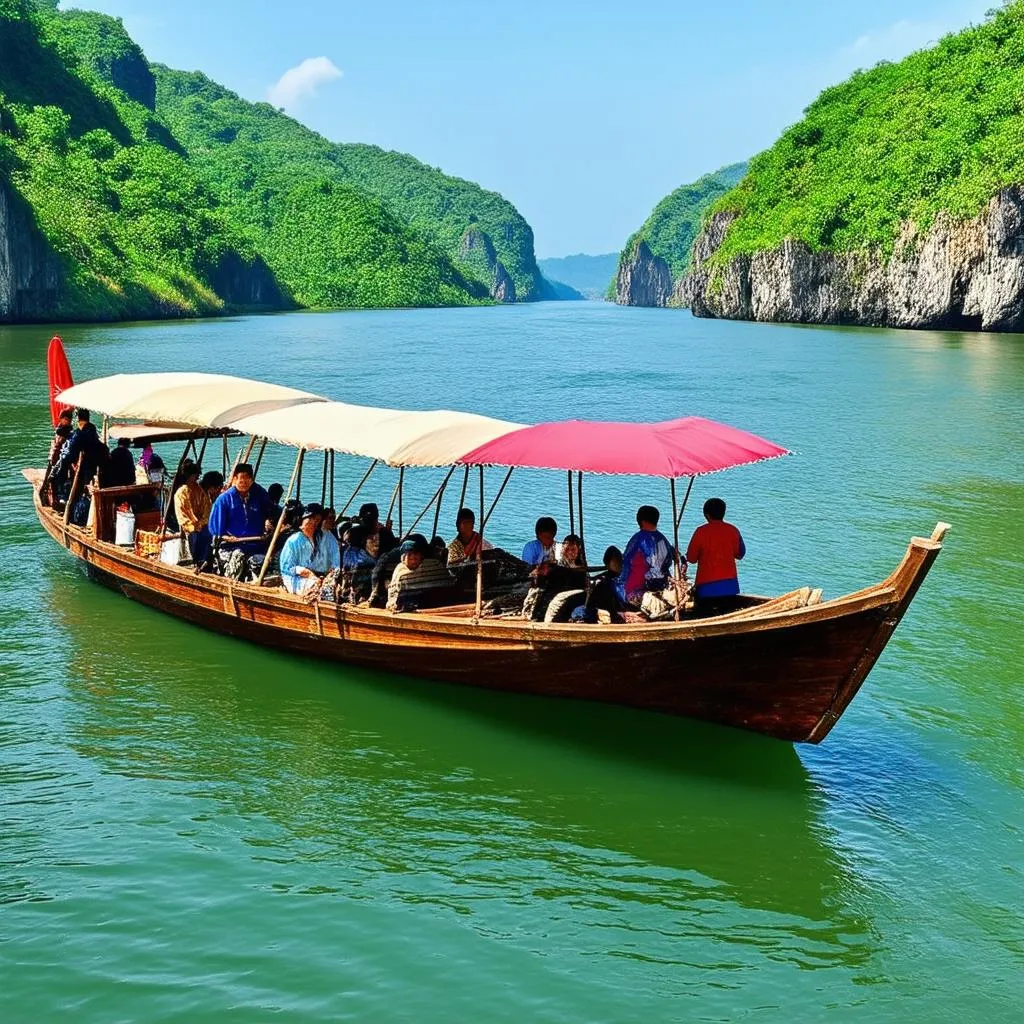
x=942, y=130
x=122, y=201
x=251, y=152
x=132, y=228
x=675, y=222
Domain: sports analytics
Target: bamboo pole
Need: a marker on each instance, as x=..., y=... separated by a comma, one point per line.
x=240, y=458
x=686, y=498
x=332, y=479
x=296, y=474
x=73, y=493
x=480, y=552
x=426, y=508
x=202, y=451
x=579, y=510
x=440, y=499
x=401, y=491
x=259, y=458
x=359, y=487
x=323, y=486
x=572, y=518
x=462, y=497
x=501, y=489
x=225, y=456
x=675, y=538
x=394, y=498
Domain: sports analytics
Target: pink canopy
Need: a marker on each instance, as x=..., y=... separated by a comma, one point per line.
x=683, y=447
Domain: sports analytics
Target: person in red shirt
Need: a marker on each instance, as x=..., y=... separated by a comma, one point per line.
x=715, y=547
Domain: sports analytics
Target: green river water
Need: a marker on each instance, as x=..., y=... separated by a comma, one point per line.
x=196, y=829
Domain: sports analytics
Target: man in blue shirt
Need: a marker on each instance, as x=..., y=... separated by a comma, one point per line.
x=243, y=510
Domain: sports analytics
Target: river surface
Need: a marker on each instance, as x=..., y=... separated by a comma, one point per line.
x=196, y=829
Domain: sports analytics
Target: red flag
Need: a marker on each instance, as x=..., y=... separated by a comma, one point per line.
x=59, y=373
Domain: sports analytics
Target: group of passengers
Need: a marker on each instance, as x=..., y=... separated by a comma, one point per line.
x=230, y=530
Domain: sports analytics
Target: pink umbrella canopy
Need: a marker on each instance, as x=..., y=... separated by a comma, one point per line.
x=684, y=447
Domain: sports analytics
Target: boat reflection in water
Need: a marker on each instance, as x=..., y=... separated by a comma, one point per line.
x=425, y=793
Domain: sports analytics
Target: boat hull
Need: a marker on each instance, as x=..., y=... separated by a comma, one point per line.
x=784, y=671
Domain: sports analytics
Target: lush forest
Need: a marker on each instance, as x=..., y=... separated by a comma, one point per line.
x=939, y=131
x=674, y=223
x=117, y=201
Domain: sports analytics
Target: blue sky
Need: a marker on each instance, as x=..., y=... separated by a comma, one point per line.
x=582, y=114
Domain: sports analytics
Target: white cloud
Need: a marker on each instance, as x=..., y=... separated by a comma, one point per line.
x=302, y=81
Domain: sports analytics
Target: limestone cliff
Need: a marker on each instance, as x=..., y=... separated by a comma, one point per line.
x=643, y=279
x=30, y=273
x=480, y=258
x=959, y=274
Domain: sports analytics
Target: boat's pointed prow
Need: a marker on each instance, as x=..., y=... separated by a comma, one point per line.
x=940, y=531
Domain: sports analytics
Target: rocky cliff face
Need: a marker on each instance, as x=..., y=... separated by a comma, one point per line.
x=643, y=279
x=477, y=252
x=30, y=273
x=959, y=274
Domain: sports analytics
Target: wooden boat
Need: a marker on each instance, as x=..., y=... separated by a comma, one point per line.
x=786, y=666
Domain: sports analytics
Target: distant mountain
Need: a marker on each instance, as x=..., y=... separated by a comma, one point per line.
x=658, y=254
x=590, y=275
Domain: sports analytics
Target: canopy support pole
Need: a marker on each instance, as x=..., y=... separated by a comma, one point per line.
x=240, y=458
x=394, y=499
x=296, y=475
x=572, y=518
x=171, y=493
x=225, y=457
x=426, y=508
x=401, y=491
x=480, y=551
x=686, y=498
x=106, y=429
x=462, y=497
x=202, y=451
x=579, y=510
x=332, y=479
x=440, y=499
x=359, y=487
x=323, y=488
x=298, y=482
x=259, y=459
x=501, y=489
x=675, y=550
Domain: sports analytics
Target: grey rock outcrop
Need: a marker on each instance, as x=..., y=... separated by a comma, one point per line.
x=477, y=252
x=959, y=274
x=30, y=272
x=643, y=279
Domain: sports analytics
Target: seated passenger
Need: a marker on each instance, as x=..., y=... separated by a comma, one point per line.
x=275, y=492
x=61, y=432
x=466, y=542
x=439, y=550
x=356, y=567
x=120, y=470
x=715, y=547
x=330, y=523
x=192, y=512
x=55, y=483
x=417, y=573
x=241, y=512
x=379, y=538
x=309, y=554
x=646, y=560
x=570, y=553
x=213, y=484
x=603, y=602
x=558, y=588
x=386, y=565
x=543, y=548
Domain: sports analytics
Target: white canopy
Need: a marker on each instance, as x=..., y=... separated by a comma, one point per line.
x=193, y=399
x=435, y=438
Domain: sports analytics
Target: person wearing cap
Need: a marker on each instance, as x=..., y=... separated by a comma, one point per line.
x=379, y=537
x=192, y=511
x=416, y=573
x=309, y=553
